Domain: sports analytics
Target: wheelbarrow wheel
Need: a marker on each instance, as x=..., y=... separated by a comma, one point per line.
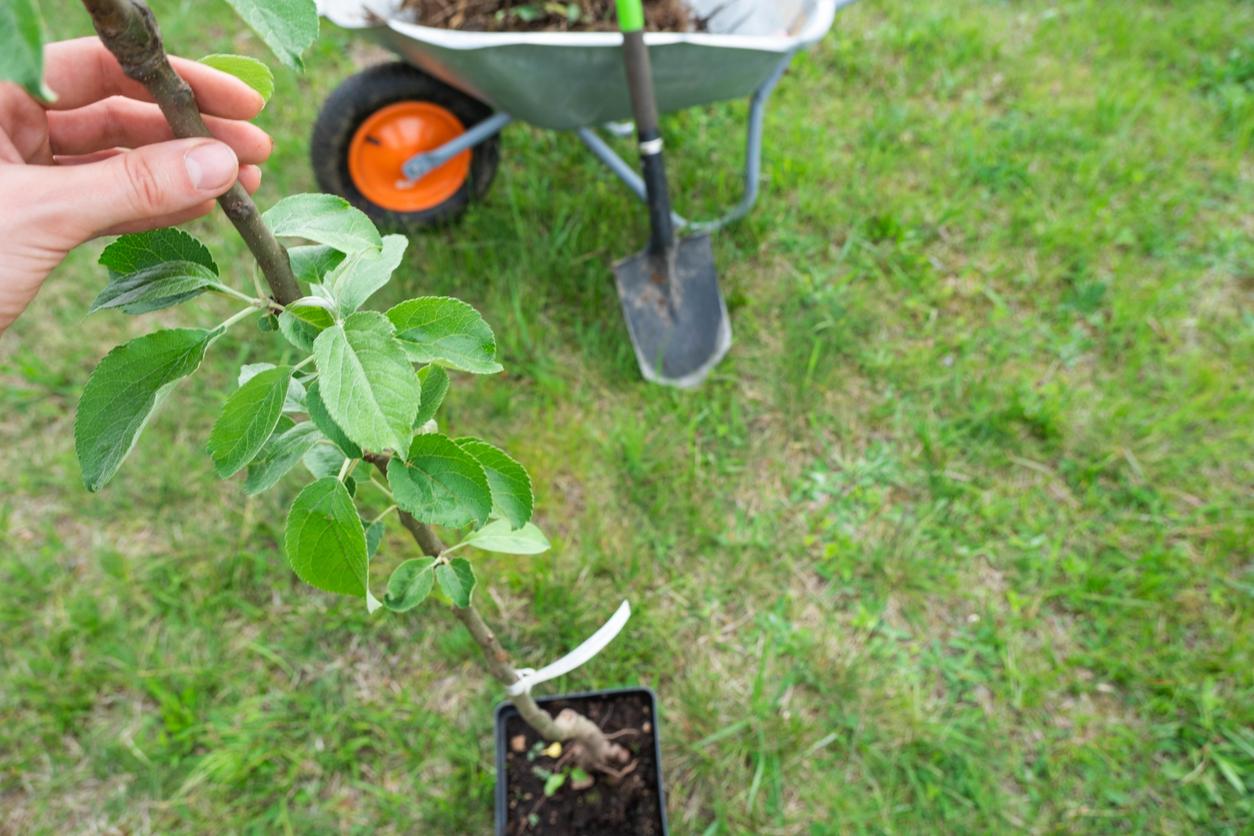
x=379, y=118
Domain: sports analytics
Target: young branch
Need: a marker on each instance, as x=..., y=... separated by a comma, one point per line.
x=129, y=31
x=598, y=751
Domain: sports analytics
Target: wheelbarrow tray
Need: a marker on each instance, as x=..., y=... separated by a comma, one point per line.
x=570, y=80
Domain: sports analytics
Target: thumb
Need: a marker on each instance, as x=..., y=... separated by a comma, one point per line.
x=145, y=184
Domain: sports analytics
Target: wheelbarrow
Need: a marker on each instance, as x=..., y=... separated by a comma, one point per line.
x=413, y=143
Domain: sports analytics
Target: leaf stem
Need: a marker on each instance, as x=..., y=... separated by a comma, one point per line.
x=374, y=480
x=302, y=364
x=345, y=468
x=241, y=315
x=243, y=297
x=383, y=514
x=453, y=548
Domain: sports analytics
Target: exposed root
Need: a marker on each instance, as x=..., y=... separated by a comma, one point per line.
x=592, y=750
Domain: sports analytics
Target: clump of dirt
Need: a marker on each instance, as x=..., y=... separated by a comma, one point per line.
x=546, y=15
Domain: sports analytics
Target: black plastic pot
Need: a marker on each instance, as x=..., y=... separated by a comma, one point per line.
x=630, y=697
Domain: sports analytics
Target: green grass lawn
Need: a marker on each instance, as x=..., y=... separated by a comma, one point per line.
x=958, y=538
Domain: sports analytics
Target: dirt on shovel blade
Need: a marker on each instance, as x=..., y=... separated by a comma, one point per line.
x=545, y=15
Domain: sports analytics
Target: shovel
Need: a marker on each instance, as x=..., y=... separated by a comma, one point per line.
x=671, y=300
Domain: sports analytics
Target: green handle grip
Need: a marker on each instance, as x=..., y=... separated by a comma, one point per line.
x=630, y=15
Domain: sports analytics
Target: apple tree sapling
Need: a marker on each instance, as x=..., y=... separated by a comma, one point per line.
x=358, y=406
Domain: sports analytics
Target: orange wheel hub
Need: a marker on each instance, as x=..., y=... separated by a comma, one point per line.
x=389, y=137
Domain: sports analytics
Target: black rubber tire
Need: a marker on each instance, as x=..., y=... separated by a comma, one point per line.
x=366, y=92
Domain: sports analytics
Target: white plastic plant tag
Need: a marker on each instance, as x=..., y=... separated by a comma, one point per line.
x=528, y=678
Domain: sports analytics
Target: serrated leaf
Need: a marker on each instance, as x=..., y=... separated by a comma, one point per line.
x=410, y=584
x=248, y=70
x=312, y=263
x=314, y=311
x=374, y=538
x=286, y=447
x=366, y=383
x=299, y=334
x=440, y=483
x=447, y=331
x=324, y=540
x=323, y=218
x=21, y=47
x=295, y=400
x=434, y=382
x=247, y=420
x=124, y=391
x=512, y=495
x=288, y=27
x=359, y=275
x=135, y=251
x=457, y=580
x=322, y=419
x=156, y=287
x=498, y=536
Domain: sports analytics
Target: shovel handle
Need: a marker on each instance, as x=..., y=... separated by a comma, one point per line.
x=648, y=134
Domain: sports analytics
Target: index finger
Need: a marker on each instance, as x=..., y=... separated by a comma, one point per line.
x=83, y=71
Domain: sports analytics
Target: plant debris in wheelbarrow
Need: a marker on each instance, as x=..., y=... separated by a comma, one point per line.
x=546, y=15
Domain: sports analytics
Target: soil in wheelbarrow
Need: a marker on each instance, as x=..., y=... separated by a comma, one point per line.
x=630, y=805
x=546, y=15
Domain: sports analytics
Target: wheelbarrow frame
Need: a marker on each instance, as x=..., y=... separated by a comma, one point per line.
x=401, y=39
x=420, y=164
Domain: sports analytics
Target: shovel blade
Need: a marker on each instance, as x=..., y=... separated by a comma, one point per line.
x=675, y=312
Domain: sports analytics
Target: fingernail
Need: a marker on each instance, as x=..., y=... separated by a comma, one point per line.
x=212, y=167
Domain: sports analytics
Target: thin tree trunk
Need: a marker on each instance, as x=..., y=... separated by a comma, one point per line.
x=129, y=31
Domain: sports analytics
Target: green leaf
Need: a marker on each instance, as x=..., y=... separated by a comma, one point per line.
x=247, y=420
x=434, y=382
x=497, y=536
x=367, y=384
x=374, y=537
x=139, y=250
x=359, y=275
x=323, y=460
x=447, y=331
x=295, y=400
x=299, y=334
x=313, y=262
x=124, y=391
x=457, y=580
x=512, y=496
x=410, y=584
x=288, y=27
x=130, y=256
x=314, y=311
x=554, y=783
x=156, y=287
x=323, y=218
x=22, y=47
x=248, y=70
x=440, y=483
x=286, y=447
x=322, y=419
x=324, y=541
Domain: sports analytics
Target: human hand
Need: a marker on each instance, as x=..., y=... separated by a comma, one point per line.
x=66, y=175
